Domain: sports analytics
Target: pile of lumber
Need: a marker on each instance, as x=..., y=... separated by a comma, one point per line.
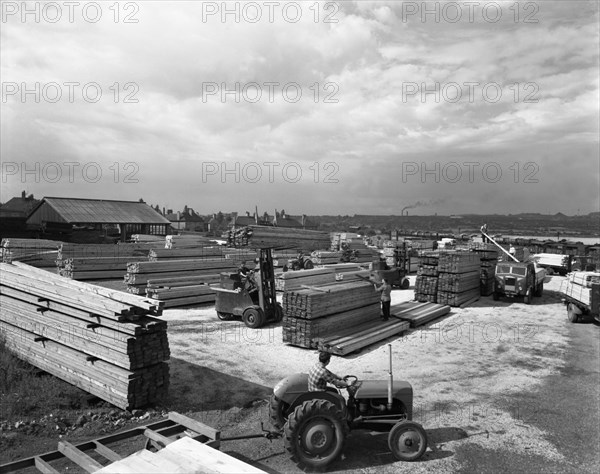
x=99, y=261
x=458, y=278
x=343, y=272
x=488, y=258
x=311, y=314
x=39, y=253
x=187, y=240
x=148, y=238
x=323, y=257
x=553, y=260
x=106, y=342
x=257, y=236
x=175, y=294
x=417, y=314
x=186, y=270
x=581, y=287
x=344, y=341
x=340, y=238
x=426, y=284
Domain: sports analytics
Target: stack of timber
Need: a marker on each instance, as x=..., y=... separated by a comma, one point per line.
x=183, y=253
x=187, y=240
x=581, y=286
x=344, y=341
x=323, y=257
x=426, y=284
x=316, y=312
x=257, y=236
x=553, y=260
x=488, y=257
x=417, y=314
x=98, y=261
x=175, y=294
x=293, y=280
x=458, y=278
x=148, y=238
x=103, y=341
x=340, y=238
x=421, y=244
x=40, y=253
x=139, y=273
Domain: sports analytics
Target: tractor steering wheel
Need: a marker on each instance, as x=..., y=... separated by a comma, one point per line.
x=350, y=379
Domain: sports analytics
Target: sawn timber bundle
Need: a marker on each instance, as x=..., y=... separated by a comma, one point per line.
x=103, y=341
x=257, y=236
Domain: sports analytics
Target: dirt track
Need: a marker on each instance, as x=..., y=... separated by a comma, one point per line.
x=474, y=373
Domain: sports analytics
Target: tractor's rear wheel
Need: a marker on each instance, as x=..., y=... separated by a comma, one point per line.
x=253, y=318
x=407, y=440
x=314, y=434
x=277, y=411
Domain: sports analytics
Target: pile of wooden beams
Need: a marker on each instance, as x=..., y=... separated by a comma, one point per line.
x=344, y=272
x=458, y=278
x=257, y=236
x=106, y=342
x=324, y=257
x=311, y=314
x=187, y=241
x=148, y=238
x=99, y=261
x=426, y=284
x=178, y=282
x=40, y=253
x=581, y=286
x=488, y=257
x=417, y=314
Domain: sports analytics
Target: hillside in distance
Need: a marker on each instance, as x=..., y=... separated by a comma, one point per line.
x=511, y=224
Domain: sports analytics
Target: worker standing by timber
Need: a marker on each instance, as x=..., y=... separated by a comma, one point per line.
x=386, y=298
x=484, y=231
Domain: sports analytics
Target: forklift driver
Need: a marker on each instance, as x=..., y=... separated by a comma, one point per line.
x=252, y=286
x=319, y=375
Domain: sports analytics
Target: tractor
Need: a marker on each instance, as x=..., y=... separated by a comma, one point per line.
x=315, y=424
x=301, y=262
x=253, y=298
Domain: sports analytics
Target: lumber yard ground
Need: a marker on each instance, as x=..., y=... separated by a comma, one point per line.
x=499, y=386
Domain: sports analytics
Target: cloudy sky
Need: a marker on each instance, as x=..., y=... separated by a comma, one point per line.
x=315, y=107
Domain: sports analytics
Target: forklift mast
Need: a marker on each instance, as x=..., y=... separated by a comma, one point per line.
x=267, y=294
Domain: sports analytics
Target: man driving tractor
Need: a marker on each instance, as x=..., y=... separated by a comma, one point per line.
x=319, y=375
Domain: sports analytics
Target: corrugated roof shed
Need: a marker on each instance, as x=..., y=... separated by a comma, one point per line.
x=99, y=211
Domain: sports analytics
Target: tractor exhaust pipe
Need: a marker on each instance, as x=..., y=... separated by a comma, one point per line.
x=390, y=382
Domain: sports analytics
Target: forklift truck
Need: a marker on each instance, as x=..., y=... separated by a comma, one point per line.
x=396, y=276
x=253, y=298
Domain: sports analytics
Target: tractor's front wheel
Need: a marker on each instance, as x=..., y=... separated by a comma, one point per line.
x=314, y=434
x=253, y=318
x=407, y=440
x=405, y=284
x=309, y=265
x=277, y=411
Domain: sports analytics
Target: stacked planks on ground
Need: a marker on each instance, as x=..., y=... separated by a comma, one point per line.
x=99, y=261
x=187, y=240
x=315, y=312
x=488, y=256
x=458, y=277
x=293, y=280
x=418, y=314
x=106, y=342
x=426, y=284
x=40, y=253
x=257, y=236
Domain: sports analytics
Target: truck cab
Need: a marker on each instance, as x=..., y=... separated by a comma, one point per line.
x=518, y=279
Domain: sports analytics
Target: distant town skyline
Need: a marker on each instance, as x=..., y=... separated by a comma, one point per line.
x=323, y=108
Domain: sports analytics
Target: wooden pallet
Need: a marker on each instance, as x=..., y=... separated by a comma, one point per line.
x=98, y=455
